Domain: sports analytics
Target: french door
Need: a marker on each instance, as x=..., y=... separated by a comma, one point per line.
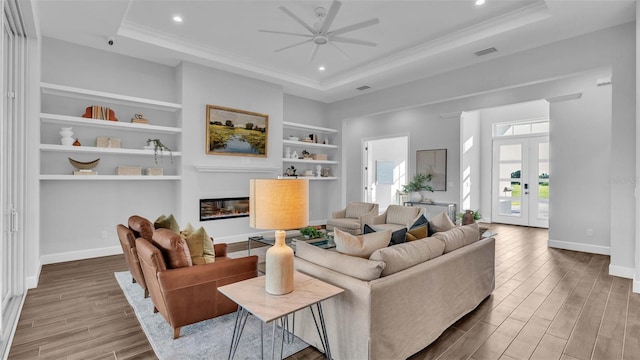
x=521, y=181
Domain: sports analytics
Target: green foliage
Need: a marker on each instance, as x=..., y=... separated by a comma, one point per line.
x=159, y=147
x=418, y=183
x=311, y=232
x=248, y=126
x=219, y=135
x=476, y=215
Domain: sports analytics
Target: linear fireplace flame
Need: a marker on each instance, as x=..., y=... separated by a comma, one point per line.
x=224, y=208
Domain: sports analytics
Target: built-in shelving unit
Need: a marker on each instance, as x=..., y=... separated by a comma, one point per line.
x=62, y=106
x=325, y=145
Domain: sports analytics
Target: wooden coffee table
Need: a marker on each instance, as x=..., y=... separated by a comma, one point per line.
x=251, y=297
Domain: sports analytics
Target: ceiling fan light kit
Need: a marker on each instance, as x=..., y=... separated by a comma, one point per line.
x=319, y=33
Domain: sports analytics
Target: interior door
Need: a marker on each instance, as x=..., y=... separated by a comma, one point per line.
x=521, y=181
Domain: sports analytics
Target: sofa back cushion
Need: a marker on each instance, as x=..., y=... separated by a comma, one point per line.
x=458, y=237
x=406, y=255
x=441, y=222
x=361, y=245
x=356, y=267
x=173, y=247
x=401, y=215
x=355, y=209
x=141, y=227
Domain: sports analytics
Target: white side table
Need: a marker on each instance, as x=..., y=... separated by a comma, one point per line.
x=251, y=297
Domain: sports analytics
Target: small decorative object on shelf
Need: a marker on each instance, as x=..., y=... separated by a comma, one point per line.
x=294, y=155
x=107, y=142
x=66, y=134
x=287, y=153
x=138, y=118
x=326, y=172
x=84, y=168
x=326, y=141
x=306, y=154
x=99, y=112
x=77, y=143
x=308, y=173
x=294, y=138
x=129, y=170
x=154, y=171
x=319, y=156
x=158, y=146
x=318, y=170
x=290, y=171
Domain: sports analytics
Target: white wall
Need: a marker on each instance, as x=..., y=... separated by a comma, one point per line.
x=543, y=72
x=73, y=214
x=470, y=169
x=387, y=149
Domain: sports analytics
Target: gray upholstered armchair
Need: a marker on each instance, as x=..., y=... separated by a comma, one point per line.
x=395, y=218
x=351, y=219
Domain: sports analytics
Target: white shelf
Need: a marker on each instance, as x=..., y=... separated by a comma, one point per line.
x=235, y=169
x=75, y=120
x=310, y=178
x=309, y=145
x=303, y=161
x=86, y=94
x=110, y=177
x=297, y=126
x=99, y=150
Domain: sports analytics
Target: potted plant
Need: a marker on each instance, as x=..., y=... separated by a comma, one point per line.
x=470, y=214
x=158, y=146
x=310, y=232
x=416, y=185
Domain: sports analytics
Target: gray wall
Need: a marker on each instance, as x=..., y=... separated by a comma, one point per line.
x=539, y=73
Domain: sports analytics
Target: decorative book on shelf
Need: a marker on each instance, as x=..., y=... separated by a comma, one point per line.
x=99, y=112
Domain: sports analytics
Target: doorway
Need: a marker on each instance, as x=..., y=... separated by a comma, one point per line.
x=385, y=164
x=521, y=181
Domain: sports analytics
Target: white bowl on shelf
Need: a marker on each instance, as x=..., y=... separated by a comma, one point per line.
x=294, y=138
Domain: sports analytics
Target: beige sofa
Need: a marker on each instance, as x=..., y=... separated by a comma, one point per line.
x=351, y=219
x=402, y=301
x=395, y=218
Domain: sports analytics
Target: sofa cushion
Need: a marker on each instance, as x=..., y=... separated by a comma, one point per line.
x=167, y=222
x=403, y=256
x=441, y=222
x=344, y=223
x=363, y=269
x=418, y=232
x=173, y=247
x=397, y=237
x=355, y=209
x=141, y=227
x=401, y=214
x=200, y=245
x=361, y=245
x=458, y=237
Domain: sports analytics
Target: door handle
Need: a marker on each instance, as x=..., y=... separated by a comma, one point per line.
x=14, y=220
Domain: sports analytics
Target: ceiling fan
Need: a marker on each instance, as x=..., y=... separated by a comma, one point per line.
x=320, y=33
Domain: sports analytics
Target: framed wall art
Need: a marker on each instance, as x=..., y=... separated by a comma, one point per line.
x=236, y=132
x=433, y=162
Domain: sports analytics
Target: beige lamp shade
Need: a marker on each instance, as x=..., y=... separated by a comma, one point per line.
x=278, y=204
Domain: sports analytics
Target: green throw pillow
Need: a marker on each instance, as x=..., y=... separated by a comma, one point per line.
x=167, y=222
x=200, y=245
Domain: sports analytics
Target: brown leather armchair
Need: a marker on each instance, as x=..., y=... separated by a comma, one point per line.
x=189, y=294
x=138, y=227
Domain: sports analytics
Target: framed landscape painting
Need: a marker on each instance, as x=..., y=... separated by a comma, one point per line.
x=433, y=162
x=236, y=132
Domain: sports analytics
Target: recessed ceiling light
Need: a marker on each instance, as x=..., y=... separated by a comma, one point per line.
x=480, y=2
x=321, y=68
x=177, y=18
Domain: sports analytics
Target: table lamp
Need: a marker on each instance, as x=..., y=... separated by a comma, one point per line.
x=279, y=204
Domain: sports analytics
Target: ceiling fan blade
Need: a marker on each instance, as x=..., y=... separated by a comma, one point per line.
x=352, y=41
x=284, y=33
x=314, y=51
x=339, y=50
x=331, y=15
x=297, y=19
x=293, y=45
x=353, y=27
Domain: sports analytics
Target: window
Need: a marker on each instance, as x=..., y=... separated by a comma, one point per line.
x=523, y=127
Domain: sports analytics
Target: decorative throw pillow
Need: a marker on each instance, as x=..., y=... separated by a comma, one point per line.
x=397, y=237
x=200, y=245
x=361, y=245
x=416, y=233
x=441, y=222
x=167, y=222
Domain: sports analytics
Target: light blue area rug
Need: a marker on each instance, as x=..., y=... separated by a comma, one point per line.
x=209, y=339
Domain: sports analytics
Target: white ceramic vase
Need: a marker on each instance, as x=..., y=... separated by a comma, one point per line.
x=415, y=196
x=279, y=267
x=67, y=136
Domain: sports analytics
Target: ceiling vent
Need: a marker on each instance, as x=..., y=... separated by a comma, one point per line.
x=486, y=51
x=365, y=87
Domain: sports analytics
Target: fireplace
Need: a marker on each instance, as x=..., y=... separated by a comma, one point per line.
x=224, y=208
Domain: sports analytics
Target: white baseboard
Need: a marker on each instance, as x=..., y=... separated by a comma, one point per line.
x=31, y=282
x=636, y=286
x=592, y=249
x=79, y=255
x=622, y=271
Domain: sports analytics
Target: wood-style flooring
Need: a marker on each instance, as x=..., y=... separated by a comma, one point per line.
x=548, y=304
